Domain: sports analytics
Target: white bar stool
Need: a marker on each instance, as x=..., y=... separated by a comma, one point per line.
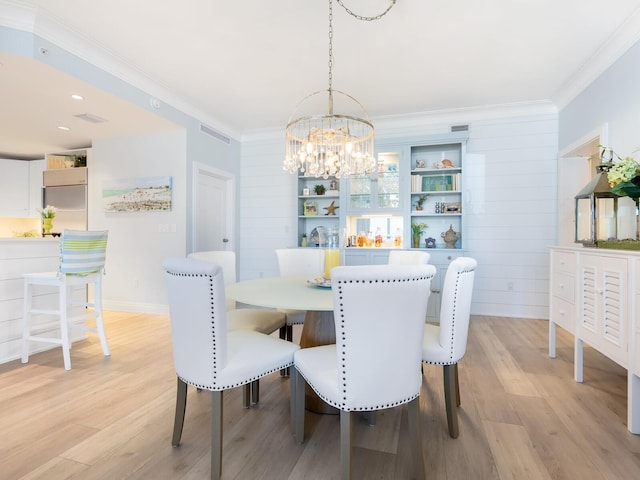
x=82, y=259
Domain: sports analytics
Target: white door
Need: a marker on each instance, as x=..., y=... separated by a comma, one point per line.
x=213, y=209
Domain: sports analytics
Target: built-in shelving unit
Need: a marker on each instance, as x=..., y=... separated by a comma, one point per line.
x=315, y=210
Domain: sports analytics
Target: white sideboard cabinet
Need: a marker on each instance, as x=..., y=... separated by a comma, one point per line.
x=595, y=295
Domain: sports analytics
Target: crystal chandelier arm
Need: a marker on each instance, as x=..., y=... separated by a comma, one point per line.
x=367, y=19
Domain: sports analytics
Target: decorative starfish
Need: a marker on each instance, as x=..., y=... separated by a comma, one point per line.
x=331, y=209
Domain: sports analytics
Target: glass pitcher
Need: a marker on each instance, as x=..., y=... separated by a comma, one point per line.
x=331, y=251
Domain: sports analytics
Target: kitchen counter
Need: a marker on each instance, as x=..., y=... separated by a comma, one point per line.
x=18, y=256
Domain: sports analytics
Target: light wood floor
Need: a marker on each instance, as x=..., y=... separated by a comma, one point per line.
x=522, y=416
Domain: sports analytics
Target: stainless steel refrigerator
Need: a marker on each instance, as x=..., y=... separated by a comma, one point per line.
x=66, y=190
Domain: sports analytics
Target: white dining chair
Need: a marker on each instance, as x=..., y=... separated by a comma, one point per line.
x=408, y=257
x=446, y=343
x=299, y=261
x=206, y=354
x=401, y=257
x=82, y=259
x=371, y=366
x=256, y=319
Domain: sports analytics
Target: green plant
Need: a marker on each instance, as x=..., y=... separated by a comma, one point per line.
x=418, y=229
x=319, y=189
x=421, y=200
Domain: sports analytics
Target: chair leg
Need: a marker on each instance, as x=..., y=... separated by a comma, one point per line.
x=181, y=406
x=370, y=417
x=246, y=395
x=283, y=336
x=216, y=435
x=255, y=391
x=64, y=325
x=97, y=301
x=457, y=386
x=26, y=320
x=346, y=431
x=297, y=384
x=289, y=333
x=415, y=437
x=449, y=374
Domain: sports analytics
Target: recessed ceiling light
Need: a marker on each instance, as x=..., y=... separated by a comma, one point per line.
x=77, y=97
x=62, y=127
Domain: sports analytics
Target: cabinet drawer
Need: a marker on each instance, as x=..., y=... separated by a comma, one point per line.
x=563, y=314
x=563, y=262
x=563, y=286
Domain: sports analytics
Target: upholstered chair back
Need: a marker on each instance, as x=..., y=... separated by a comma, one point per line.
x=408, y=257
x=379, y=360
x=198, y=320
x=455, y=308
x=227, y=260
x=300, y=261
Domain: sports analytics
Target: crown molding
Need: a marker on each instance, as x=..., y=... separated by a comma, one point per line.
x=17, y=15
x=437, y=121
x=616, y=45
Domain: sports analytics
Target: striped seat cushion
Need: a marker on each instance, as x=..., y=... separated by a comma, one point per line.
x=82, y=252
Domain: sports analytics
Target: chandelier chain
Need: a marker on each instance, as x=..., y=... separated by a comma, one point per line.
x=366, y=19
x=330, y=45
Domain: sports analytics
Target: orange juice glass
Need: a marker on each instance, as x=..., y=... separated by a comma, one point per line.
x=331, y=259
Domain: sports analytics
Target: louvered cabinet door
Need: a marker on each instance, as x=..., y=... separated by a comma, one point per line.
x=603, y=298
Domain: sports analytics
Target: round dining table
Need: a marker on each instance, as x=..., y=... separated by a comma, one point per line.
x=292, y=293
x=295, y=293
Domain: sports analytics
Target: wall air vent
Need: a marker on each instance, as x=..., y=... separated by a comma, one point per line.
x=91, y=118
x=212, y=133
x=459, y=128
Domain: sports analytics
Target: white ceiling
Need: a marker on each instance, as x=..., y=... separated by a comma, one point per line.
x=244, y=65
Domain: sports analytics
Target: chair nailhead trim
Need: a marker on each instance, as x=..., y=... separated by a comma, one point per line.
x=213, y=386
x=342, y=404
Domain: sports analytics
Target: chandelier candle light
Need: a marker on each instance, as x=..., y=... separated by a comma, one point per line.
x=323, y=145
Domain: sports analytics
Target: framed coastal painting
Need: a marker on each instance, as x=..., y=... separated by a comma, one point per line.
x=143, y=194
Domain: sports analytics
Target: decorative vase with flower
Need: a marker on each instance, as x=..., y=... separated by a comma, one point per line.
x=48, y=213
x=417, y=229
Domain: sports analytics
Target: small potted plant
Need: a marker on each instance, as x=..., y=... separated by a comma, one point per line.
x=319, y=189
x=420, y=201
x=48, y=213
x=417, y=229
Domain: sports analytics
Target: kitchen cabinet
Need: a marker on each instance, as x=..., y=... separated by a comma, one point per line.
x=20, y=188
x=36, y=169
x=14, y=188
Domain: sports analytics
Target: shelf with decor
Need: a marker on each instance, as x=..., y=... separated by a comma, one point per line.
x=318, y=205
x=436, y=198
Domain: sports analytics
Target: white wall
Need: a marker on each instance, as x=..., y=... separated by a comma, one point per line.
x=134, y=280
x=612, y=99
x=511, y=172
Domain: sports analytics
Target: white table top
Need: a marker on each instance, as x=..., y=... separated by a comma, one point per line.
x=291, y=293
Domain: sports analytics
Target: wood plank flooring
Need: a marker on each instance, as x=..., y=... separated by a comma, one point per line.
x=522, y=416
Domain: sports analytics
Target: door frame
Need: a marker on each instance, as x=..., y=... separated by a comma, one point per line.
x=230, y=182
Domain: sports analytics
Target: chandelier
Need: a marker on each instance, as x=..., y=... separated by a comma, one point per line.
x=331, y=144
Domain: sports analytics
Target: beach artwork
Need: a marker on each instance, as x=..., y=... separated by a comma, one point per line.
x=143, y=194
